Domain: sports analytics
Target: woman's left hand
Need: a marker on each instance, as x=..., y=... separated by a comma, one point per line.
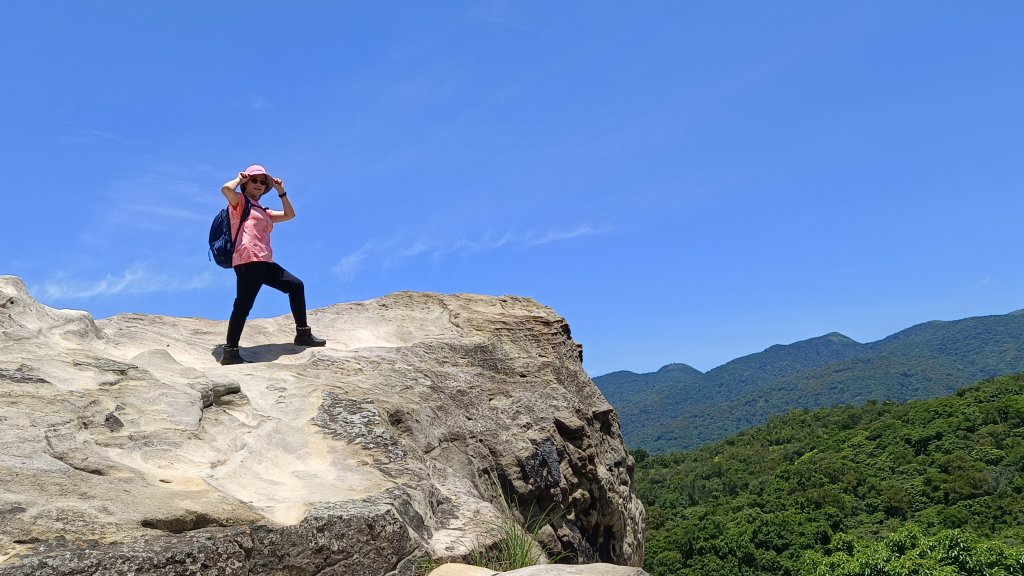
x=278, y=184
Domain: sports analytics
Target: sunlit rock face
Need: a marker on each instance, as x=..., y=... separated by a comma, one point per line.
x=125, y=448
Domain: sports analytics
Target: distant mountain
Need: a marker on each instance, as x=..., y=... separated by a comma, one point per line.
x=623, y=386
x=679, y=408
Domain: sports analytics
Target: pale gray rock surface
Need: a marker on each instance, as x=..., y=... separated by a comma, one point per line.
x=597, y=569
x=583, y=570
x=125, y=448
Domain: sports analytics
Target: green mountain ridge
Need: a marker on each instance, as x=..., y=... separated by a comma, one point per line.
x=923, y=487
x=681, y=408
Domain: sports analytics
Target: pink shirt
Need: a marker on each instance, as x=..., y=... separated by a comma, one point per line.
x=254, y=242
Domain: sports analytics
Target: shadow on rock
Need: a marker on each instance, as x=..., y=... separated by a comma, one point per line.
x=260, y=353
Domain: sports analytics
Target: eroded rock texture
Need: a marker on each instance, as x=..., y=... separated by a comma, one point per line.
x=125, y=448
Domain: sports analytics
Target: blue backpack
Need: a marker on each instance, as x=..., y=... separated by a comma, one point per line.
x=222, y=244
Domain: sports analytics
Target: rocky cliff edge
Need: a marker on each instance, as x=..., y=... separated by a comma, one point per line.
x=125, y=448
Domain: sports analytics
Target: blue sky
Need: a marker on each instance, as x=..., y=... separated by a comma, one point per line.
x=683, y=181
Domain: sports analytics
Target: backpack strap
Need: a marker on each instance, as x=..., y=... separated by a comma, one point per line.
x=241, y=220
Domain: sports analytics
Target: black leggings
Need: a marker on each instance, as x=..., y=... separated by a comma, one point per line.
x=250, y=278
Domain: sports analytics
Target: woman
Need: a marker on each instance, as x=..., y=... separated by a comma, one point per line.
x=252, y=260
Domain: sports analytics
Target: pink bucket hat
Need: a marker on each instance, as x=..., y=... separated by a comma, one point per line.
x=255, y=169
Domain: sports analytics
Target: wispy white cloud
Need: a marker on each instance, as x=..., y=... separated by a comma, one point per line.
x=473, y=245
x=349, y=264
x=419, y=247
x=164, y=215
x=136, y=280
x=559, y=235
x=253, y=102
x=514, y=240
x=496, y=12
x=258, y=103
x=159, y=198
x=91, y=136
x=149, y=211
x=391, y=253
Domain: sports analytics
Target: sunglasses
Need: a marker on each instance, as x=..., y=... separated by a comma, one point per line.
x=260, y=181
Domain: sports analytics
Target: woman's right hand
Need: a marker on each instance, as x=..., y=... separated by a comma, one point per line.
x=230, y=188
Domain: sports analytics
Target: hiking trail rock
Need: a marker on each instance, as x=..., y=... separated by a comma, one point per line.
x=126, y=449
x=598, y=569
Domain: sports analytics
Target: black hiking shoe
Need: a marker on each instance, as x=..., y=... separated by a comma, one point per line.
x=231, y=356
x=304, y=337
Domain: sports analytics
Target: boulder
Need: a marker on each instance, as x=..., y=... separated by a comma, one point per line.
x=425, y=424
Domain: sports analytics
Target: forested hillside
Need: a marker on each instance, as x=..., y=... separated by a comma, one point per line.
x=926, y=487
x=678, y=408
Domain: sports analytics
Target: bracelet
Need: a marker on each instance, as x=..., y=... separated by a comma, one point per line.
x=282, y=194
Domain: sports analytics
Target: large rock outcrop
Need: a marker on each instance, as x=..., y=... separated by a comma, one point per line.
x=125, y=448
